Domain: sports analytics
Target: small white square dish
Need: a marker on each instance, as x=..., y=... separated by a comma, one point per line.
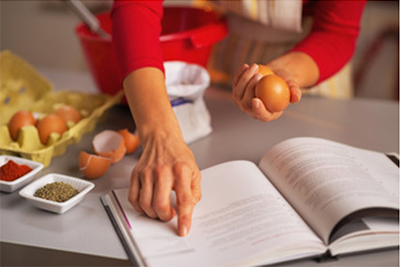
x=11, y=186
x=82, y=186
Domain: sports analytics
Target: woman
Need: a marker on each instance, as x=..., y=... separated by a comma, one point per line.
x=167, y=163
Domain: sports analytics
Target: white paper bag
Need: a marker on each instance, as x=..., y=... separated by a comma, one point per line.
x=186, y=84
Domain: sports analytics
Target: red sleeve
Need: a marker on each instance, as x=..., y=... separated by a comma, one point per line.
x=332, y=40
x=136, y=29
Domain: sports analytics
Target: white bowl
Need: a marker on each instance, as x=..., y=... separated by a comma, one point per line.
x=23, y=180
x=58, y=207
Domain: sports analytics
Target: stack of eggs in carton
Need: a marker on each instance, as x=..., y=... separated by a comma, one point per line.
x=36, y=123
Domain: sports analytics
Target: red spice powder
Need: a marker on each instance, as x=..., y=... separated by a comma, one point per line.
x=12, y=171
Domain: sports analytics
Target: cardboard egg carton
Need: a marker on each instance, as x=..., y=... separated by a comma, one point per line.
x=22, y=87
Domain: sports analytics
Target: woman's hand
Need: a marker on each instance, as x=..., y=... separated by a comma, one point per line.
x=244, y=84
x=166, y=164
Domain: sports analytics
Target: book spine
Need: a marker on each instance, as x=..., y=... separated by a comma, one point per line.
x=118, y=230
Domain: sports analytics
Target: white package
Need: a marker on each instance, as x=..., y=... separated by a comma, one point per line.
x=186, y=84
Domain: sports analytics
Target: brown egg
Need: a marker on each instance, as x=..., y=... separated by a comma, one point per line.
x=131, y=140
x=109, y=144
x=264, y=70
x=68, y=113
x=18, y=120
x=273, y=92
x=93, y=166
x=51, y=123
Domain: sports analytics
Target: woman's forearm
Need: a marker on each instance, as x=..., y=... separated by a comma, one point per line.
x=149, y=103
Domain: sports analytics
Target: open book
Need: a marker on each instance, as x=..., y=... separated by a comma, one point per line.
x=307, y=197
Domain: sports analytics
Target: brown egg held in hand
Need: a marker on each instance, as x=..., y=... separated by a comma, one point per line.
x=68, y=113
x=131, y=140
x=49, y=124
x=18, y=120
x=93, y=166
x=264, y=70
x=273, y=92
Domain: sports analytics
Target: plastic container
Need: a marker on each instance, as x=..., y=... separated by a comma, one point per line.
x=188, y=34
x=22, y=87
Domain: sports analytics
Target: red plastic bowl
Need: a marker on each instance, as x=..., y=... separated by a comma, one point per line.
x=188, y=35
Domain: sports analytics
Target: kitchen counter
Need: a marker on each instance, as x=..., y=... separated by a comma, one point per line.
x=85, y=233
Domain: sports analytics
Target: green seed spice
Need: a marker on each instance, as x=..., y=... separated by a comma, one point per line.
x=57, y=191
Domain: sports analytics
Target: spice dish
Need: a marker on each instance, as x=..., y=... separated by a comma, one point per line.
x=11, y=186
x=82, y=186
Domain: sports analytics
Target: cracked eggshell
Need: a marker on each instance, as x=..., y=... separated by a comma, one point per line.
x=131, y=140
x=109, y=144
x=93, y=166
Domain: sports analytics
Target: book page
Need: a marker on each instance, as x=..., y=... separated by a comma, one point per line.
x=325, y=180
x=388, y=229
x=241, y=219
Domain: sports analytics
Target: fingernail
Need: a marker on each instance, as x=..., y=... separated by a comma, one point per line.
x=184, y=231
x=256, y=104
x=298, y=96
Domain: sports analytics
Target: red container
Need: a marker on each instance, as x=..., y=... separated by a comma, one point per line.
x=188, y=35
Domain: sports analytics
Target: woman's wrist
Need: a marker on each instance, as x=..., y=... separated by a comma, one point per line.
x=150, y=106
x=161, y=130
x=301, y=67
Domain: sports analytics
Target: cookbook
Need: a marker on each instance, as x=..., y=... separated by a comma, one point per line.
x=306, y=198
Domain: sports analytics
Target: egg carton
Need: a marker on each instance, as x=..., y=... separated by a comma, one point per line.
x=22, y=87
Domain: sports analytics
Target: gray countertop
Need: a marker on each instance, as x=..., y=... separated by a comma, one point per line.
x=86, y=229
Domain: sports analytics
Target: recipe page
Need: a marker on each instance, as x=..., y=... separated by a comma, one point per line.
x=241, y=219
x=325, y=180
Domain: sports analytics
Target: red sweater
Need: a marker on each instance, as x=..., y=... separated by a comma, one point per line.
x=331, y=42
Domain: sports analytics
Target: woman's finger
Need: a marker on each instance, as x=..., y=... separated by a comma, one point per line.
x=239, y=74
x=196, y=186
x=295, y=92
x=239, y=89
x=146, y=194
x=250, y=93
x=185, y=201
x=134, y=192
x=162, y=194
x=261, y=113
